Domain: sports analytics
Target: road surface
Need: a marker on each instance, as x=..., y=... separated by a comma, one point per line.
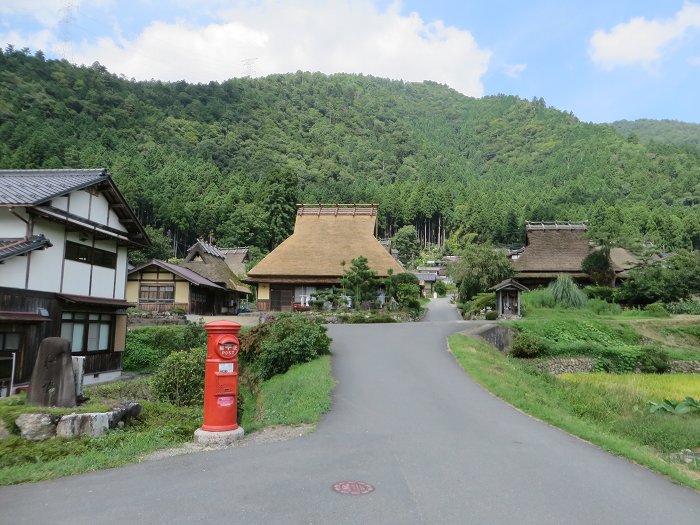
x=437, y=448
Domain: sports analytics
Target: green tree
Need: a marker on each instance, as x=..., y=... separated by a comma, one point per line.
x=281, y=197
x=360, y=281
x=597, y=264
x=406, y=243
x=481, y=266
x=161, y=248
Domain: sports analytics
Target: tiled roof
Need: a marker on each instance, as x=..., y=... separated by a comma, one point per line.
x=425, y=276
x=509, y=283
x=12, y=247
x=33, y=187
x=185, y=273
x=202, y=246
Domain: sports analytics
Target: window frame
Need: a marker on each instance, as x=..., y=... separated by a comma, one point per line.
x=158, y=298
x=87, y=320
x=85, y=254
x=3, y=341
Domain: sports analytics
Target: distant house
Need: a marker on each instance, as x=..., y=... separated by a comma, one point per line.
x=160, y=286
x=236, y=259
x=554, y=249
x=427, y=281
x=325, y=240
x=64, y=236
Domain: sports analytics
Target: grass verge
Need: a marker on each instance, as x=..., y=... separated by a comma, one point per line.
x=616, y=420
x=302, y=395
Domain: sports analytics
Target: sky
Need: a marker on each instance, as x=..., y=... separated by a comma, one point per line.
x=602, y=60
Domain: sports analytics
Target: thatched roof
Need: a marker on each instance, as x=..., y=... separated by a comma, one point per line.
x=236, y=258
x=324, y=236
x=208, y=261
x=553, y=249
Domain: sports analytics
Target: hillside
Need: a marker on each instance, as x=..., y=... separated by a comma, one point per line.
x=233, y=158
x=661, y=131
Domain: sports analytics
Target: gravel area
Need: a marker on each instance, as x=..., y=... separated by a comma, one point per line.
x=266, y=435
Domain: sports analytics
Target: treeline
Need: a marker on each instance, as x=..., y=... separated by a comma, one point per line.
x=230, y=160
x=661, y=131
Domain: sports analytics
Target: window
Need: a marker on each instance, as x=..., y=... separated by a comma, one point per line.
x=89, y=255
x=87, y=332
x=156, y=294
x=9, y=342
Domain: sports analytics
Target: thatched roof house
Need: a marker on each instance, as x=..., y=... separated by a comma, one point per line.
x=209, y=262
x=236, y=258
x=553, y=249
x=326, y=238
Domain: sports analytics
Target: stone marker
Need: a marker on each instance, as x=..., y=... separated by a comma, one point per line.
x=36, y=427
x=4, y=432
x=53, y=382
x=75, y=425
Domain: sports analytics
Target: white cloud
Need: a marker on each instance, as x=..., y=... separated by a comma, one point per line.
x=514, y=70
x=642, y=41
x=310, y=35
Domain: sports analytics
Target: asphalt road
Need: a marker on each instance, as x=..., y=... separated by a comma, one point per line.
x=437, y=448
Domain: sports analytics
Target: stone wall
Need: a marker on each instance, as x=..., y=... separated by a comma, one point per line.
x=498, y=335
x=567, y=365
x=684, y=367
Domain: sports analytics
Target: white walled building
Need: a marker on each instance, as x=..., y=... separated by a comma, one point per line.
x=64, y=236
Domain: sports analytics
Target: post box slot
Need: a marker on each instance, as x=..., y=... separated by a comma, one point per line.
x=225, y=383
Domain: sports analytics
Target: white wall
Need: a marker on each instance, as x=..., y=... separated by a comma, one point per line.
x=76, y=278
x=114, y=222
x=79, y=203
x=13, y=272
x=45, y=265
x=61, y=203
x=99, y=209
x=11, y=226
x=122, y=269
x=102, y=282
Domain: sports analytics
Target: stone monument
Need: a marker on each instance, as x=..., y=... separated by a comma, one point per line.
x=53, y=382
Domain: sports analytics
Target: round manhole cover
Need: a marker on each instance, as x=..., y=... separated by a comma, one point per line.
x=353, y=488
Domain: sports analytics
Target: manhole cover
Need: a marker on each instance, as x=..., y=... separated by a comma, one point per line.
x=353, y=488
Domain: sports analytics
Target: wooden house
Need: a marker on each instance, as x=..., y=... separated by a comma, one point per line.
x=554, y=249
x=426, y=281
x=508, y=298
x=159, y=286
x=64, y=236
x=326, y=238
x=236, y=259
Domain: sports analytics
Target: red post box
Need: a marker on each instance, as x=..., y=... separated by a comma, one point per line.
x=221, y=376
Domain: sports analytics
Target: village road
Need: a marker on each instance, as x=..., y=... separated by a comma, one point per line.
x=437, y=448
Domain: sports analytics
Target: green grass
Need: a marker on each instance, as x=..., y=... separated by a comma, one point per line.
x=617, y=420
x=651, y=387
x=302, y=395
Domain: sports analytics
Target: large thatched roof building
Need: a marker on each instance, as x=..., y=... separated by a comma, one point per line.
x=326, y=238
x=554, y=249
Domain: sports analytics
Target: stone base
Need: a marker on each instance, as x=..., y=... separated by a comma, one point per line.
x=217, y=439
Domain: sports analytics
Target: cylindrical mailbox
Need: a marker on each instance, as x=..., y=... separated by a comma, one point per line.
x=221, y=376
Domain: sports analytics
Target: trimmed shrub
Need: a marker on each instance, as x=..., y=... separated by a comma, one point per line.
x=566, y=294
x=491, y=315
x=527, y=346
x=146, y=347
x=440, y=288
x=272, y=348
x=656, y=310
x=180, y=378
x=605, y=293
x=653, y=360
x=407, y=296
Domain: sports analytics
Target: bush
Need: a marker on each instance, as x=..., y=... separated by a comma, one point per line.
x=618, y=360
x=491, y=315
x=685, y=307
x=566, y=294
x=605, y=293
x=146, y=347
x=656, y=310
x=600, y=307
x=272, y=348
x=440, y=288
x=407, y=296
x=527, y=346
x=180, y=378
x=653, y=360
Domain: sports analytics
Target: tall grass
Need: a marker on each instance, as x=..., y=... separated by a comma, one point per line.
x=566, y=294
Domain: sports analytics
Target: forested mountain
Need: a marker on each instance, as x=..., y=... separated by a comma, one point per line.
x=231, y=159
x=662, y=131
